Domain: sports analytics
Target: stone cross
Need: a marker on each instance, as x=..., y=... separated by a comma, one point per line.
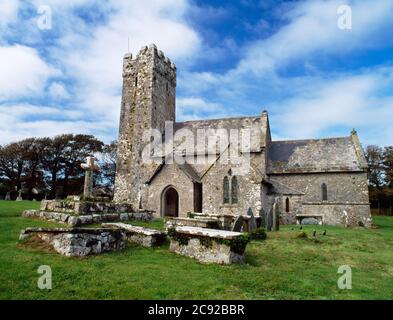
x=89, y=168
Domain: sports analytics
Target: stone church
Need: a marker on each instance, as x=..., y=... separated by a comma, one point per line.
x=322, y=181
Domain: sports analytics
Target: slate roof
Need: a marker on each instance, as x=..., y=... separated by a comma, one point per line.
x=257, y=126
x=321, y=155
x=279, y=188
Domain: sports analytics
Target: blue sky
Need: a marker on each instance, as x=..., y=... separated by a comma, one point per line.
x=233, y=58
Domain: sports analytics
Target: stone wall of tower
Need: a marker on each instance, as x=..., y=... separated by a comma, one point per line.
x=148, y=100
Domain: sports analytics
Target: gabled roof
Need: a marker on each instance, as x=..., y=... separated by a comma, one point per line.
x=190, y=172
x=186, y=168
x=320, y=155
x=257, y=125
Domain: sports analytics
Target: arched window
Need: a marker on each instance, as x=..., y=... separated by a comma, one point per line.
x=287, y=205
x=226, y=190
x=324, y=192
x=234, y=190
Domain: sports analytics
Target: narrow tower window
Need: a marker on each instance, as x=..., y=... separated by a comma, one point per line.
x=234, y=190
x=324, y=192
x=226, y=190
x=287, y=205
x=136, y=81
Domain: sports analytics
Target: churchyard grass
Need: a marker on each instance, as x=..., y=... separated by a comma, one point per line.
x=282, y=267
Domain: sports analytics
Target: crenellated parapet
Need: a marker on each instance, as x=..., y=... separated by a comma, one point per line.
x=149, y=56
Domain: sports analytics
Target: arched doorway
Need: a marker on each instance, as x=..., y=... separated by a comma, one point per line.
x=170, y=203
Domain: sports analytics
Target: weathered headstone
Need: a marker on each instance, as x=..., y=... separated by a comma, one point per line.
x=252, y=222
x=269, y=219
x=19, y=198
x=237, y=226
x=8, y=196
x=276, y=217
x=262, y=216
x=346, y=224
x=90, y=167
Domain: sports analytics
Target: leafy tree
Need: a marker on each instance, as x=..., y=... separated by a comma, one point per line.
x=107, y=165
x=374, y=156
x=12, y=164
x=20, y=164
x=78, y=148
x=54, y=159
x=388, y=165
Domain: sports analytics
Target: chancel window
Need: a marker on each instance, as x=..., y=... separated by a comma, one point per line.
x=287, y=205
x=324, y=192
x=234, y=190
x=230, y=192
x=226, y=190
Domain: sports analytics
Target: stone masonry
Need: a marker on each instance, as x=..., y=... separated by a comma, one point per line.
x=324, y=180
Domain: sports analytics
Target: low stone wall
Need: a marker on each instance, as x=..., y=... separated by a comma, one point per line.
x=84, y=207
x=143, y=236
x=208, y=245
x=74, y=221
x=78, y=242
x=209, y=223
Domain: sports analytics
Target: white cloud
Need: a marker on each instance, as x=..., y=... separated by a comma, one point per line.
x=19, y=121
x=95, y=59
x=352, y=101
x=90, y=56
x=318, y=101
x=23, y=72
x=193, y=108
x=313, y=29
x=58, y=91
x=8, y=12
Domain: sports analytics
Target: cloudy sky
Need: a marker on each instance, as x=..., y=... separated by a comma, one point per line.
x=288, y=57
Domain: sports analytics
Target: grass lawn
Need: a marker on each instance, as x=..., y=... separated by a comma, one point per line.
x=282, y=267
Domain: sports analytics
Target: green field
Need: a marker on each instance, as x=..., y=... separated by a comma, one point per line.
x=282, y=267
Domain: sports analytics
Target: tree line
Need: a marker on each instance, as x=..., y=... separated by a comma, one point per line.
x=380, y=176
x=50, y=167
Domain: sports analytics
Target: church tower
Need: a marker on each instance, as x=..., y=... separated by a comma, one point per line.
x=148, y=100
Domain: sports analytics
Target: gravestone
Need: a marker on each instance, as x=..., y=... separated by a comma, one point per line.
x=346, y=224
x=19, y=198
x=262, y=216
x=90, y=167
x=276, y=217
x=8, y=196
x=269, y=220
x=237, y=226
x=252, y=223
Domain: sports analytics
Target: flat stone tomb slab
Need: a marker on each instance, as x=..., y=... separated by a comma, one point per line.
x=205, y=222
x=223, y=234
x=208, y=245
x=77, y=220
x=78, y=242
x=140, y=235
